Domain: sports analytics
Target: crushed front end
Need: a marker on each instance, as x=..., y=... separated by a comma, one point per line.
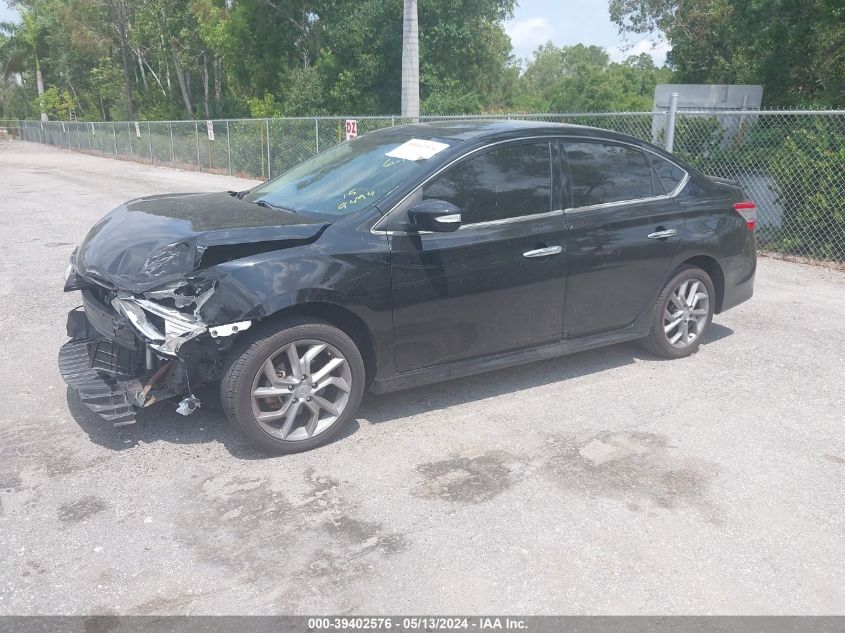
x=129, y=350
x=161, y=307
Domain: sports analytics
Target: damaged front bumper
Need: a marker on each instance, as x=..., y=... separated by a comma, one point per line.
x=128, y=352
x=174, y=328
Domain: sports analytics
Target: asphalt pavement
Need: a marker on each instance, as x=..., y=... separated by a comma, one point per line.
x=607, y=482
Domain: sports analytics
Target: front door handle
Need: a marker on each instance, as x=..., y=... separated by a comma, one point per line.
x=663, y=234
x=546, y=251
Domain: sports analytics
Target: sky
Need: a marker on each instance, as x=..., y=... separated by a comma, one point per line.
x=7, y=14
x=535, y=22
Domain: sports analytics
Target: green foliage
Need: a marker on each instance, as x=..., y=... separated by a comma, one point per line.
x=16, y=102
x=198, y=58
x=264, y=107
x=583, y=79
x=58, y=104
x=303, y=93
x=808, y=170
x=804, y=158
x=107, y=82
x=450, y=97
x=792, y=47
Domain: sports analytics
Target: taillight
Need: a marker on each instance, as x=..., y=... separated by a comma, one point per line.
x=748, y=211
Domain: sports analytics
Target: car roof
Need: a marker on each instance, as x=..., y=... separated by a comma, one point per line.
x=480, y=131
x=471, y=129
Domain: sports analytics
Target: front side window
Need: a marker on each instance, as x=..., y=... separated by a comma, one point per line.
x=502, y=183
x=604, y=172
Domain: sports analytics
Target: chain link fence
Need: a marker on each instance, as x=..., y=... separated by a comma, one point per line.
x=791, y=163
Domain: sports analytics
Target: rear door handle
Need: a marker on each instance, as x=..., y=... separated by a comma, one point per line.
x=662, y=235
x=547, y=251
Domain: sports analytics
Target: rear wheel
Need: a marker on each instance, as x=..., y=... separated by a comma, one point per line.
x=294, y=389
x=682, y=314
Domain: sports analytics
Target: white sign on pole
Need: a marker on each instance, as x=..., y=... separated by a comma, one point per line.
x=137, y=130
x=209, y=126
x=351, y=128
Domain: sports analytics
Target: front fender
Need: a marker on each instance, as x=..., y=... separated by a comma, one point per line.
x=256, y=287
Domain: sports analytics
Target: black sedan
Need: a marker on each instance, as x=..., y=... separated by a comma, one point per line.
x=407, y=256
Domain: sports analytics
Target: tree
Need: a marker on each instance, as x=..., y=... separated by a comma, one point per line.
x=794, y=48
x=186, y=58
x=583, y=79
x=117, y=14
x=21, y=47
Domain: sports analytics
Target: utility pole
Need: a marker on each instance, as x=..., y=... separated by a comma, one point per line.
x=410, y=62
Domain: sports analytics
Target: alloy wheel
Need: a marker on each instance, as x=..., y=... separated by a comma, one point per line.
x=301, y=390
x=686, y=312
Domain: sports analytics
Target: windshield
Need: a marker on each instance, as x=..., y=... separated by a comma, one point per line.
x=350, y=176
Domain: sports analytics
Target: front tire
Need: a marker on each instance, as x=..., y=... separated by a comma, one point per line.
x=682, y=314
x=295, y=388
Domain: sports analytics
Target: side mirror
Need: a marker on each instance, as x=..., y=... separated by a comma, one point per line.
x=435, y=215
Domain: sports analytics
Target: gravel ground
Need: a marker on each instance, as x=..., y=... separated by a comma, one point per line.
x=606, y=482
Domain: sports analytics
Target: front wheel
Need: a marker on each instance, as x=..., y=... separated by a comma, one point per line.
x=293, y=389
x=682, y=314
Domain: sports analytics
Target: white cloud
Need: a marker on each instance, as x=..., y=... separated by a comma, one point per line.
x=526, y=35
x=656, y=48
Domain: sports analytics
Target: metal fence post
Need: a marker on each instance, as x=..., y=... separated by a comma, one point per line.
x=267, y=125
x=316, y=136
x=197, y=131
x=150, y=139
x=655, y=131
x=670, y=122
x=129, y=136
x=228, y=146
x=172, y=149
x=114, y=135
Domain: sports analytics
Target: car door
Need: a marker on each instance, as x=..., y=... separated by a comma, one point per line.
x=624, y=231
x=495, y=284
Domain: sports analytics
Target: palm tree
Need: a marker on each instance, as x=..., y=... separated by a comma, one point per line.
x=410, y=62
x=19, y=47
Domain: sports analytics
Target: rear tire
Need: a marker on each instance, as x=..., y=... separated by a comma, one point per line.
x=681, y=314
x=295, y=388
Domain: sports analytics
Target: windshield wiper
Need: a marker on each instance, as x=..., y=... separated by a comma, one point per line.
x=238, y=194
x=275, y=207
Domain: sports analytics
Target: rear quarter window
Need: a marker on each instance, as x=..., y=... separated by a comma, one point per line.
x=669, y=174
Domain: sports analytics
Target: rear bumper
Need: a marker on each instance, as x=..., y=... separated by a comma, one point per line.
x=737, y=293
x=739, y=272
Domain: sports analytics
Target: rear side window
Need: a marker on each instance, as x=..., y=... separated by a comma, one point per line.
x=503, y=183
x=603, y=172
x=669, y=173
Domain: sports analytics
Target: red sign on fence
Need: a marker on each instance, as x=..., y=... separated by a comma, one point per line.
x=351, y=128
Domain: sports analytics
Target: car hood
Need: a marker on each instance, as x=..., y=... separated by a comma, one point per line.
x=151, y=241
